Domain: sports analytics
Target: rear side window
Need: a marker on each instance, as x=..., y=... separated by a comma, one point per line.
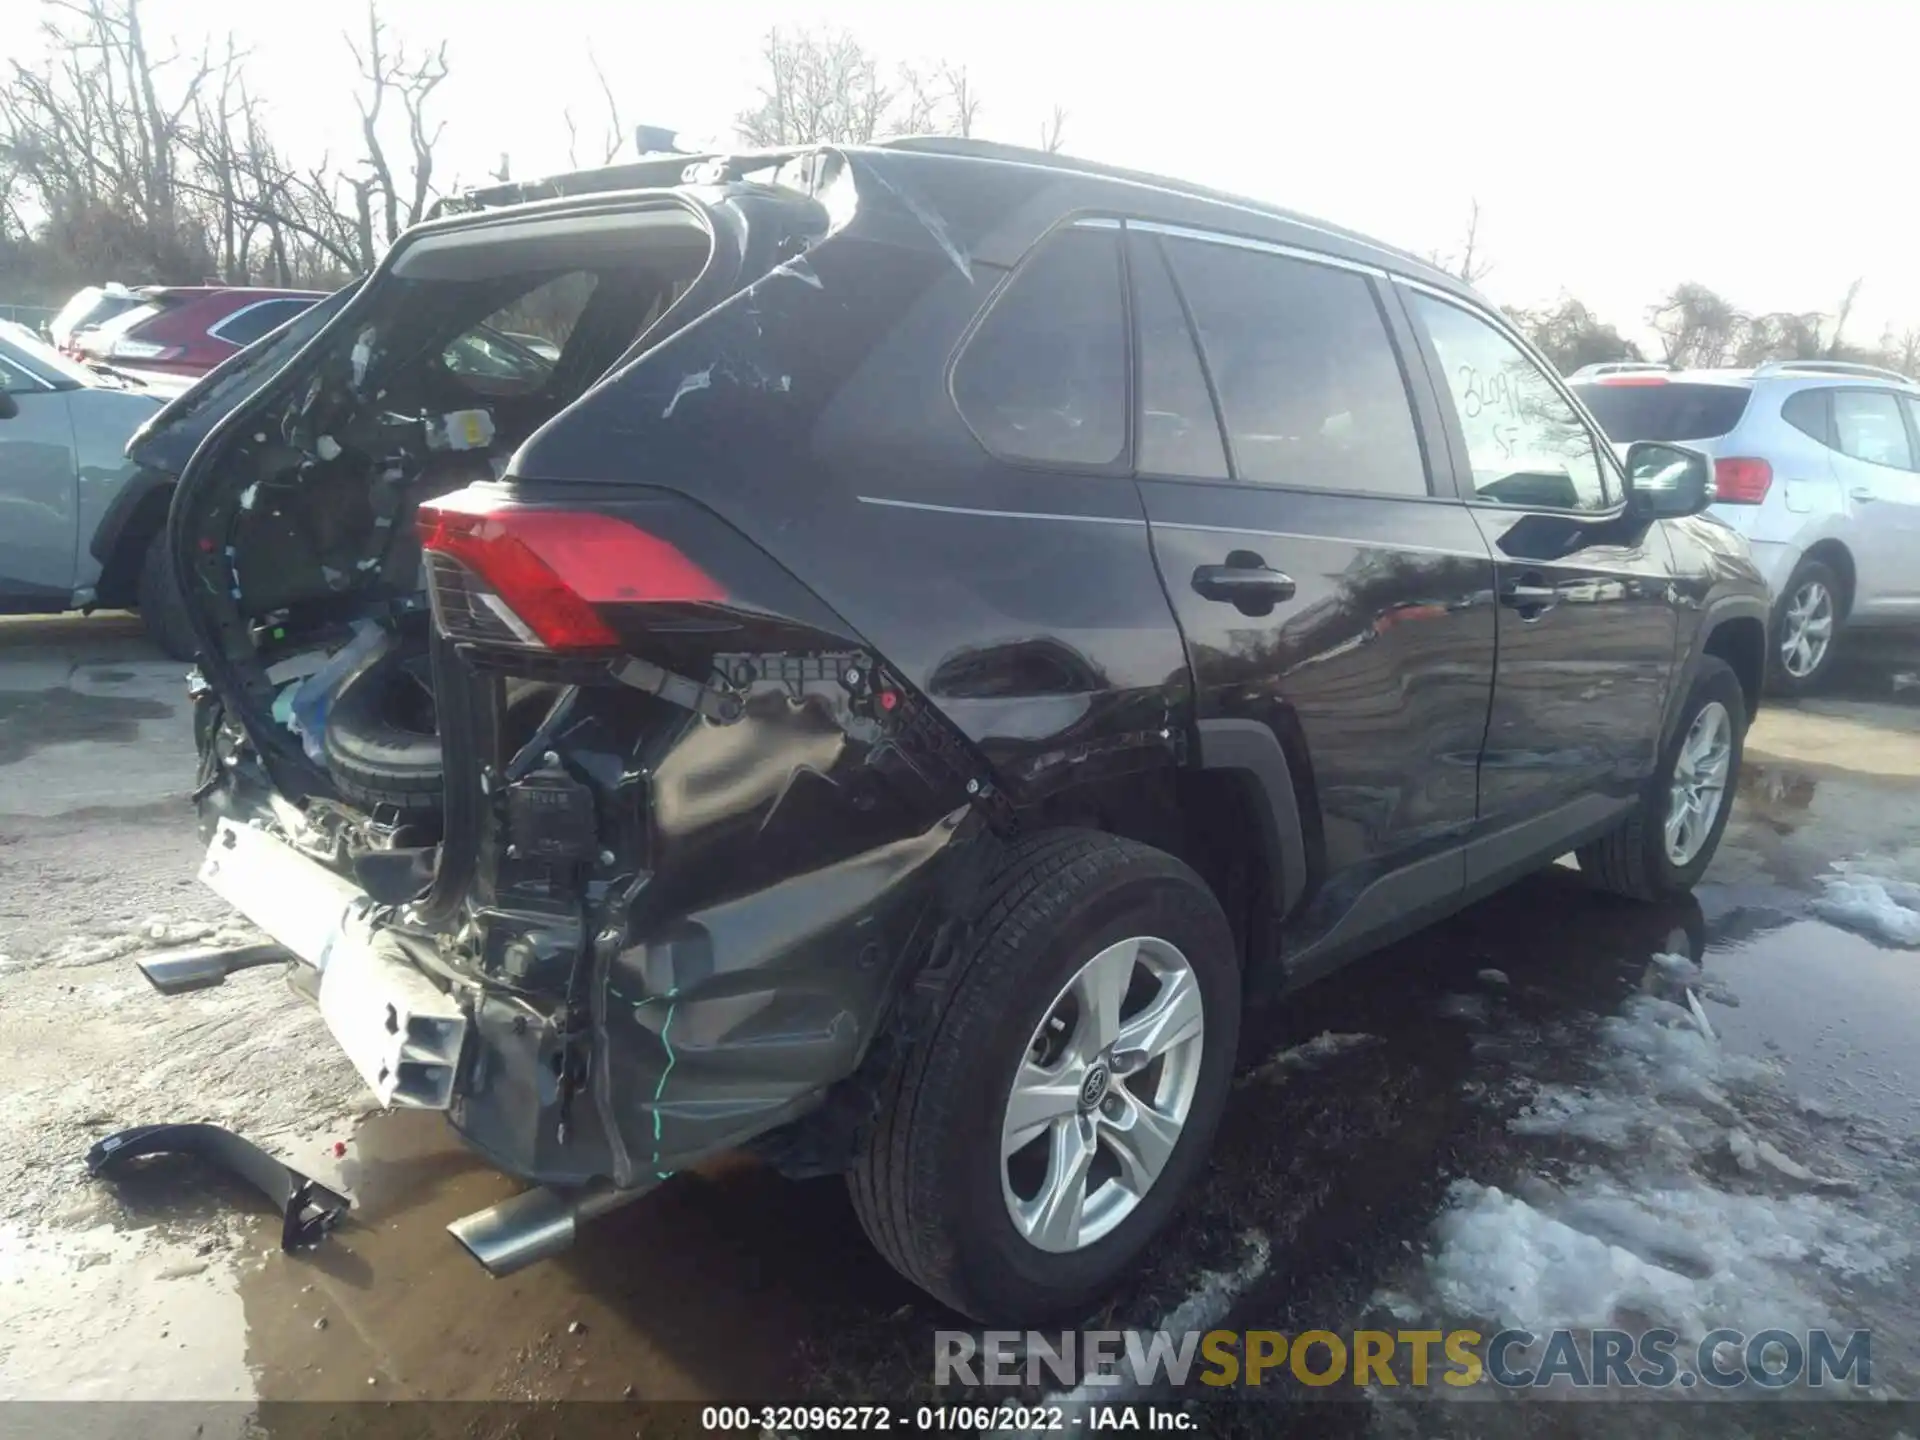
x=1179, y=432
x=243, y=327
x=1640, y=409
x=1867, y=425
x=1806, y=411
x=1044, y=378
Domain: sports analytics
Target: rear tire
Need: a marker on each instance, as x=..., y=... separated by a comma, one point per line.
x=163, y=611
x=1800, y=653
x=1635, y=860
x=931, y=1183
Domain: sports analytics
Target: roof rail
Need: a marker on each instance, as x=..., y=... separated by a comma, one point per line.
x=1618, y=367
x=1831, y=367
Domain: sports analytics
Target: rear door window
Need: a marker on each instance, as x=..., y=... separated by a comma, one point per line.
x=1044, y=378
x=1638, y=408
x=1525, y=441
x=1308, y=383
x=1867, y=425
x=514, y=350
x=1179, y=430
x=243, y=327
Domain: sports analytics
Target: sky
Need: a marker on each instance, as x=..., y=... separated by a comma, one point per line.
x=1614, y=149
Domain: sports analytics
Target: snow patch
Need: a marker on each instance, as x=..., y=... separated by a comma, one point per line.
x=117, y=942
x=1312, y=1054
x=1686, y=1214
x=1691, y=975
x=1884, y=909
x=1471, y=1008
x=1203, y=1309
x=1683, y=1255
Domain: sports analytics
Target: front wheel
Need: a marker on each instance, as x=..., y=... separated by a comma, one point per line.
x=1044, y=1128
x=1664, y=846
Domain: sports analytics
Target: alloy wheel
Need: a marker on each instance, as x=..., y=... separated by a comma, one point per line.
x=1699, y=787
x=1101, y=1094
x=1806, y=630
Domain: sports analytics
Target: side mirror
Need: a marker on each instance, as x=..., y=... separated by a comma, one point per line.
x=1668, y=481
x=9, y=407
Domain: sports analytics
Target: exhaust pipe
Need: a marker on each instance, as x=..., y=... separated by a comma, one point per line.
x=533, y=1226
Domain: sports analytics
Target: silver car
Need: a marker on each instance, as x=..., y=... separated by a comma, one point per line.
x=63, y=435
x=1817, y=463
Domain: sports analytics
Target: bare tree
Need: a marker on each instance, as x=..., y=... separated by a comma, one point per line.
x=1468, y=263
x=1697, y=326
x=1780, y=335
x=611, y=140
x=963, y=99
x=1836, y=349
x=1053, y=131
x=1571, y=335
x=390, y=72
x=616, y=132
x=1901, y=350
x=820, y=87
x=824, y=87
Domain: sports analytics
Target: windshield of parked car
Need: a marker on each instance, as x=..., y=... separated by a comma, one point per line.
x=1639, y=409
x=99, y=339
x=42, y=356
x=89, y=307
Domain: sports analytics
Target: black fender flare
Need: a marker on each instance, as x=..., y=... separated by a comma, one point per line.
x=1250, y=746
x=124, y=508
x=1715, y=613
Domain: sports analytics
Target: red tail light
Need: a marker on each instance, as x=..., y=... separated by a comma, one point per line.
x=515, y=575
x=1739, y=481
x=1631, y=380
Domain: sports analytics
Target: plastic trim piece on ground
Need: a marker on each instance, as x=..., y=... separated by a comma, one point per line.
x=308, y=1209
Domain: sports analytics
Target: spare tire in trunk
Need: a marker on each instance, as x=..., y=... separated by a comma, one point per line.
x=381, y=743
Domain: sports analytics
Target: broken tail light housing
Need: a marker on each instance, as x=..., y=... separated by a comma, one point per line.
x=1740, y=480
x=501, y=574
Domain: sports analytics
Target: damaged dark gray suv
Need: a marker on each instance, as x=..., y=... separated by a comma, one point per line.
x=877, y=655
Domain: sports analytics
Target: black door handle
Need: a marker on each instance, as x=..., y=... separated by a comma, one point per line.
x=1530, y=595
x=1253, y=587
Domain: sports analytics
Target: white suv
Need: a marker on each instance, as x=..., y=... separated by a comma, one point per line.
x=1817, y=463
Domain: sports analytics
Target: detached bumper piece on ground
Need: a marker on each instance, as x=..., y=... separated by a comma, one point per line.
x=308, y=1209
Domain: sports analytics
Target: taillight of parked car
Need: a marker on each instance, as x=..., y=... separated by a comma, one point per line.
x=501, y=574
x=1741, y=481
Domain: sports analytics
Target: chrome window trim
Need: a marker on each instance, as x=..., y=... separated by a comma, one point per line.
x=1264, y=247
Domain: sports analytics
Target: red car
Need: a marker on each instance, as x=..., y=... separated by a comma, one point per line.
x=189, y=329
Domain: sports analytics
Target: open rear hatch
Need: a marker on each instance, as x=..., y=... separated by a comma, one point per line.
x=590, y=820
